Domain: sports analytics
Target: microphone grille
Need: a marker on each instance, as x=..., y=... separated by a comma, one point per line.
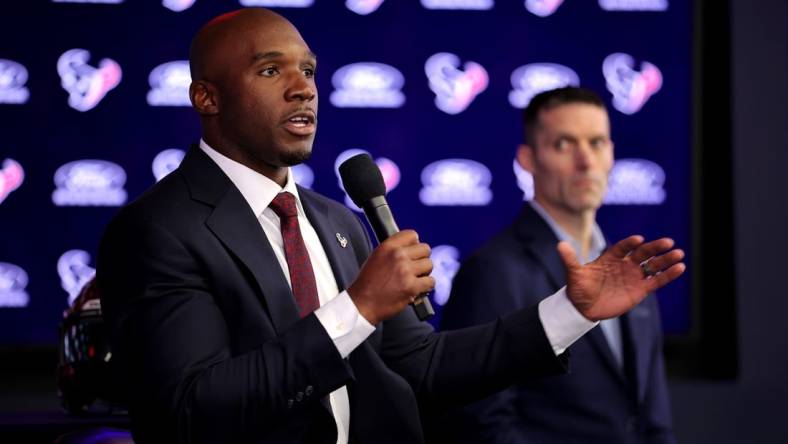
x=362, y=179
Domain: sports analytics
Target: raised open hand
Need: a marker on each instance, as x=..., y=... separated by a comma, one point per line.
x=616, y=282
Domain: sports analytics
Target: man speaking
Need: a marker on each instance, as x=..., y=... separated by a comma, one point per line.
x=237, y=315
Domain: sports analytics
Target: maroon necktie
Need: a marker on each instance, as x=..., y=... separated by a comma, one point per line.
x=302, y=278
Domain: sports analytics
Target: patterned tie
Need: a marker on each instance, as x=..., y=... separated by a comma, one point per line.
x=302, y=278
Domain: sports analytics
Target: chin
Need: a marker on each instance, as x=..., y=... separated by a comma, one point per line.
x=295, y=157
x=592, y=206
x=582, y=205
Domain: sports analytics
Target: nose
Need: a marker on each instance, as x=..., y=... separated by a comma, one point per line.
x=301, y=89
x=583, y=156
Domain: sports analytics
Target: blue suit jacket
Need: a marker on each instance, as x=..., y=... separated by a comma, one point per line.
x=208, y=345
x=597, y=402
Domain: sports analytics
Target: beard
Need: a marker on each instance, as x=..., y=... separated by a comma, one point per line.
x=293, y=158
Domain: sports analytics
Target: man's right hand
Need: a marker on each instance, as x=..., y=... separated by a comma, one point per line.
x=393, y=275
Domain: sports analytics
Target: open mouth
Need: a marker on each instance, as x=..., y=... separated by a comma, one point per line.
x=301, y=123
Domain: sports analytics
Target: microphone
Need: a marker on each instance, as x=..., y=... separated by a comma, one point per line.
x=365, y=187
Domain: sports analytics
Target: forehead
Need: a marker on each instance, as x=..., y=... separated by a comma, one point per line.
x=265, y=36
x=580, y=118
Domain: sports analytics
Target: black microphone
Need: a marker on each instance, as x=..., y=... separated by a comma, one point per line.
x=364, y=184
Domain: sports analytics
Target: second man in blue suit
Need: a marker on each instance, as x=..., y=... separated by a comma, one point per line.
x=616, y=391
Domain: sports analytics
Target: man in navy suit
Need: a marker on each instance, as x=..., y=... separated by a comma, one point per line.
x=615, y=391
x=243, y=308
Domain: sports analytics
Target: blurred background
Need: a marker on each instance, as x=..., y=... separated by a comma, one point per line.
x=94, y=109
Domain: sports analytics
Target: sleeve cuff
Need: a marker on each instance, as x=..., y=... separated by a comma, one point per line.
x=562, y=323
x=344, y=324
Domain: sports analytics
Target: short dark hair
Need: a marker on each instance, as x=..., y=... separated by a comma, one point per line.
x=547, y=100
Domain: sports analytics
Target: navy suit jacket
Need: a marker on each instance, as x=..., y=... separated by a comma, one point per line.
x=208, y=345
x=598, y=401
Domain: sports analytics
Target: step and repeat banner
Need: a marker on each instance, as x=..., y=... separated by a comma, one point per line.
x=94, y=109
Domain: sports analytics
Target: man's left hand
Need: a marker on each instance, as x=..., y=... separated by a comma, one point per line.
x=616, y=282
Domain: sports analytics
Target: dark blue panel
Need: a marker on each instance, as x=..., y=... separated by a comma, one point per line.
x=45, y=133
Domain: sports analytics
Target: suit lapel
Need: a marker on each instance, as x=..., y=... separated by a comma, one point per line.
x=599, y=343
x=344, y=266
x=342, y=259
x=233, y=223
x=540, y=242
x=639, y=326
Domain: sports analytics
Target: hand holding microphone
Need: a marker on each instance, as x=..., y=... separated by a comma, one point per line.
x=397, y=272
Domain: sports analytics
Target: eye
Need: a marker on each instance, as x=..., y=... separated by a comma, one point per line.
x=598, y=143
x=562, y=144
x=309, y=72
x=269, y=71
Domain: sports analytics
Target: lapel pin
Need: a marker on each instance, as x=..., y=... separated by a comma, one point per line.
x=342, y=240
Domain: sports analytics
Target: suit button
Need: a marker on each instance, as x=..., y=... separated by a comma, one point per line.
x=289, y=403
x=309, y=390
x=632, y=424
x=299, y=396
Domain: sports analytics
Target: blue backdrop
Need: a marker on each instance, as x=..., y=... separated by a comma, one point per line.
x=92, y=93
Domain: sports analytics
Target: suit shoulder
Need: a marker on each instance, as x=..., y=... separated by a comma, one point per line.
x=163, y=191
x=315, y=196
x=334, y=208
x=502, y=247
x=167, y=200
x=507, y=261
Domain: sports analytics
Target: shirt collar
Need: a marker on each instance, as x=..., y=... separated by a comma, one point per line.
x=598, y=243
x=257, y=189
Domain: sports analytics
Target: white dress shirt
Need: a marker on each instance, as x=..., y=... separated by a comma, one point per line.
x=562, y=323
x=611, y=328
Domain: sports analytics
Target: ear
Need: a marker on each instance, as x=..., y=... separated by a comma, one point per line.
x=525, y=157
x=204, y=97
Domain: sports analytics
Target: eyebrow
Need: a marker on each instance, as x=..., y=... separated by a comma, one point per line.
x=562, y=135
x=276, y=54
x=573, y=138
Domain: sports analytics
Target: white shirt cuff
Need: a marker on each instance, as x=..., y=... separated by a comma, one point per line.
x=343, y=323
x=561, y=321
